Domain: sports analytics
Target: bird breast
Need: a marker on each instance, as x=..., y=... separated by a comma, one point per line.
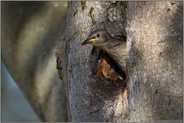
x=119, y=55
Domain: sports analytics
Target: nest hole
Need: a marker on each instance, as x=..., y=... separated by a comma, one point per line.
x=108, y=72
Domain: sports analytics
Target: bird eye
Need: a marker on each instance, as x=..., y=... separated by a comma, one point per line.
x=97, y=35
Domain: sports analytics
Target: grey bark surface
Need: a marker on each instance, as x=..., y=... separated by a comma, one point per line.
x=154, y=44
x=154, y=33
x=88, y=100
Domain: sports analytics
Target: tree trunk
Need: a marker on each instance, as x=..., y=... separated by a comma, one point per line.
x=152, y=90
x=91, y=86
x=29, y=37
x=155, y=33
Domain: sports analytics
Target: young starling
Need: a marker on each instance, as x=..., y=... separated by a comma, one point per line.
x=115, y=48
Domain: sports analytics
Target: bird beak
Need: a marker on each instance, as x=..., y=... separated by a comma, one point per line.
x=85, y=42
x=88, y=41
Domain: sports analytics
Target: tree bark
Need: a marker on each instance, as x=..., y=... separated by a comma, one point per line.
x=152, y=90
x=91, y=87
x=155, y=33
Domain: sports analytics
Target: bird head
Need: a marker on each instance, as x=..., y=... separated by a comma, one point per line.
x=98, y=38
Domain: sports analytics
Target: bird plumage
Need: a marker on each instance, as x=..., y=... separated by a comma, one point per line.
x=115, y=48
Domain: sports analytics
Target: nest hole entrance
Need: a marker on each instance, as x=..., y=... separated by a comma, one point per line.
x=108, y=72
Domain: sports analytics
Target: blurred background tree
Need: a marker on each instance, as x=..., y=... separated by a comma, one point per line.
x=29, y=35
